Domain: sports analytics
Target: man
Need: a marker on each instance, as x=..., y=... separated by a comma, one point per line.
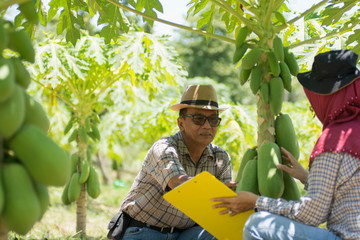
x=333, y=189
x=172, y=161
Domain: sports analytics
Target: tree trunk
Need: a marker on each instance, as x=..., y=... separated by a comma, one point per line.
x=81, y=212
x=3, y=232
x=106, y=177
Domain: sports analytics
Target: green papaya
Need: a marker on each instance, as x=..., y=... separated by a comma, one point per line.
x=274, y=64
x=251, y=58
x=291, y=190
x=278, y=48
x=83, y=135
x=244, y=75
x=22, y=76
x=35, y=114
x=240, y=52
x=270, y=178
x=20, y=42
x=276, y=95
x=74, y=162
x=69, y=125
x=255, y=79
x=22, y=207
x=73, y=136
x=95, y=131
x=43, y=196
x=46, y=162
x=12, y=113
x=249, y=154
x=85, y=170
x=264, y=92
x=64, y=196
x=291, y=62
x=7, y=79
x=249, y=179
x=93, y=184
x=285, y=76
x=74, y=187
x=286, y=136
x=241, y=36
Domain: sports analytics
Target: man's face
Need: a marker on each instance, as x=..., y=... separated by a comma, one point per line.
x=194, y=133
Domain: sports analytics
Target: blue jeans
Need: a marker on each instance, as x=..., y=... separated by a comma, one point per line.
x=144, y=233
x=265, y=225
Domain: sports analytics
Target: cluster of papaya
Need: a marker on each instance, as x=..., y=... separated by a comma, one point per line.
x=82, y=170
x=258, y=172
x=30, y=160
x=269, y=70
x=82, y=173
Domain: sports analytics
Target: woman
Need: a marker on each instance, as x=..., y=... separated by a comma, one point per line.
x=333, y=182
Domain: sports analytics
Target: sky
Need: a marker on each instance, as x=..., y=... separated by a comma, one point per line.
x=176, y=10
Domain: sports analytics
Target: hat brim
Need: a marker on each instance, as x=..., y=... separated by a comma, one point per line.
x=327, y=86
x=178, y=107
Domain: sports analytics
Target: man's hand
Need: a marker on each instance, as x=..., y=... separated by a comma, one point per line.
x=292, y=166
x=232, y=185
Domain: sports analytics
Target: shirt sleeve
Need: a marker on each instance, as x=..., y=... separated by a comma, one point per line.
x=163, y=163
x=313, y=208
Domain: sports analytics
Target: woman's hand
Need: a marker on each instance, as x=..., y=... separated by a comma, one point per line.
x=292, y=166
x=233, y=205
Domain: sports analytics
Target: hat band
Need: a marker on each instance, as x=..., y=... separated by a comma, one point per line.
x=200, y=102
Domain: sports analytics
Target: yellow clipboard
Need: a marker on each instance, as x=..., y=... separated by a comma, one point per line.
x=193, y=198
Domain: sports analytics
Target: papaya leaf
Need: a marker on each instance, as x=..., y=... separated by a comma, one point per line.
x=334, y=12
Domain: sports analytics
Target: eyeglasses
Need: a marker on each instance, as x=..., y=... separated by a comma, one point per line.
x=200, y=120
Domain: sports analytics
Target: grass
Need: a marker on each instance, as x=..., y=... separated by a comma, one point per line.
x=59, y=221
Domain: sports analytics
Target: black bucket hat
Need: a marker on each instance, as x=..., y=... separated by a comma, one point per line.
x=330, y=72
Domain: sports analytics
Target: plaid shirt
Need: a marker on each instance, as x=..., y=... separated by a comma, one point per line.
x=333, y=196
x=167, y=158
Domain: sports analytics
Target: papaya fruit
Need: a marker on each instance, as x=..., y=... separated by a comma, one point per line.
x=285, y=76
x=46, y=162
x=7, y=79
x=20, y=42
x=270, y=178
x=73, y=136
x=240, y=52
x=249, y=154
x=291, y=62
x=251, y=58
x=291, y=190
x=35, y=114
x=64, y=196
x=74, y=187
x=74, y=162
x=249, y=179
x=241, y=36
x=22, y=76
x=4, y=37
x=255, y=79
x=93, y=184
x=278, y=48
x=85, y=170
x=68, y=126
x=276, y=95
x=264, y=92
x=286, y=136
x=95, y=131
x=274, y=64
x=22, y=207
x=28, y=9
x=12, y=113
x=43, y=196
x=244, y=75
x=83, y=135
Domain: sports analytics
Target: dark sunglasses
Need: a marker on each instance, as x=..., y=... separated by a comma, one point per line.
x=200, y=120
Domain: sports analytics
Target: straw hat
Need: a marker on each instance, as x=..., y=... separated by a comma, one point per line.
x=198, y=96
x=330, y=72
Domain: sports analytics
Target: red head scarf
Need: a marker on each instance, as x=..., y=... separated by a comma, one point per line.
x=340, y=115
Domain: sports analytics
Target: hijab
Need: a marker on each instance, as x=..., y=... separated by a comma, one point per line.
x=339, y=113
